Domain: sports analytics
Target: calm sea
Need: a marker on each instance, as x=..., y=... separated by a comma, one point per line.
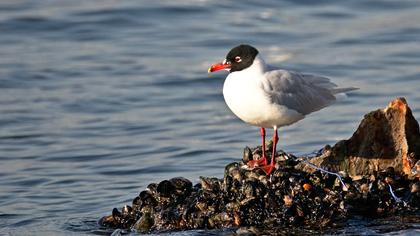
x=100, y=98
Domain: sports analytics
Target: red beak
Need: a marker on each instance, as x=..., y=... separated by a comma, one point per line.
x=219, y=66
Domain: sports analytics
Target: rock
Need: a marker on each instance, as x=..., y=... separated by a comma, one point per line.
x=385, y=138
x=166, y=188
x=247, y=154
x=182, y=186
x=290, y=197
x=144, y=224
x=374, y=167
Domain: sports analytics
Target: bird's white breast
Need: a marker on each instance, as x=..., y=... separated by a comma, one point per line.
x=245, y=96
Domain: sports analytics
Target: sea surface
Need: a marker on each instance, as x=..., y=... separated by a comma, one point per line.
x=100, y=98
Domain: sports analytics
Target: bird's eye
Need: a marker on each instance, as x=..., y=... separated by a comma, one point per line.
x=238, y=59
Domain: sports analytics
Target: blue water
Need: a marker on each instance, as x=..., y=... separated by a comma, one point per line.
x=100, y=98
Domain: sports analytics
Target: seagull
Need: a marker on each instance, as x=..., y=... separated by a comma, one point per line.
x=268, y=97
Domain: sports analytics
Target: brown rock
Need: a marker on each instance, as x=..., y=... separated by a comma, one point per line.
x=385, y=138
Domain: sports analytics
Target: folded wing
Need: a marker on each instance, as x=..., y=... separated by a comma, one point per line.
x=301, y=92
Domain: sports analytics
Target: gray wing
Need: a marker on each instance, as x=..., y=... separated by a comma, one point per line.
x=303, y=93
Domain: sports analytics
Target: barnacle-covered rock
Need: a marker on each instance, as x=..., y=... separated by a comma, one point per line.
x=292, y=196
x=289, y=197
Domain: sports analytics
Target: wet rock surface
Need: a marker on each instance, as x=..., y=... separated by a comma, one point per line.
x=247, y=197
x=295, y=195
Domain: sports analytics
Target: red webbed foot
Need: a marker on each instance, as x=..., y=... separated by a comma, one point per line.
x=268, y=169
x=256, y=163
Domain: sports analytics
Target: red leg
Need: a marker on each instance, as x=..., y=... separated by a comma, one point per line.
x=263, y=160
x=269, y=168
x=262, y=132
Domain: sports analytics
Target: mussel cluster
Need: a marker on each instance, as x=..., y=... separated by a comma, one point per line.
x=289, y=197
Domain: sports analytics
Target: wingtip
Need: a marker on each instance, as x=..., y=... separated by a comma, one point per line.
x=343, y=90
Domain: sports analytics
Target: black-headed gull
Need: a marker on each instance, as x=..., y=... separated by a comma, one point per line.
x=268, y=97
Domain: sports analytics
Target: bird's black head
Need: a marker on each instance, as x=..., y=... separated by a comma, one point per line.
x=241, y=57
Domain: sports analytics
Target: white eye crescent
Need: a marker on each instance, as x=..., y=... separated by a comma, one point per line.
x=226, y=62
x=238, y=59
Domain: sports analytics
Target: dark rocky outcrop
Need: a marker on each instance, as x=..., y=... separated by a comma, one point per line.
x=378, y=178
